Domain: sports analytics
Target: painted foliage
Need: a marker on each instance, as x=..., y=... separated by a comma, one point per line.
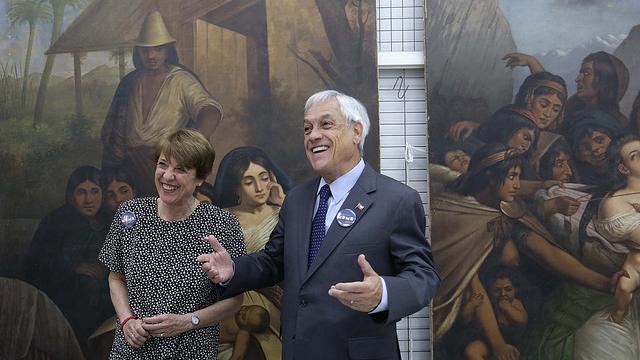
x=533, y=166
x=77, y=139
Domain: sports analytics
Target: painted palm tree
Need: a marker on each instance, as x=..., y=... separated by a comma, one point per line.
x=119, y=57
x=57, y=7
x=30, y=12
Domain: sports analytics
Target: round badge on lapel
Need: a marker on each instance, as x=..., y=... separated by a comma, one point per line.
x=346, y=217
x=128, y=219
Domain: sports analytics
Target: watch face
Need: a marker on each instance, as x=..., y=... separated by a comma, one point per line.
x=194, y=319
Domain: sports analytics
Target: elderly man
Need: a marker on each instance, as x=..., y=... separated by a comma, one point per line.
x=159, y=97
x=350, y=247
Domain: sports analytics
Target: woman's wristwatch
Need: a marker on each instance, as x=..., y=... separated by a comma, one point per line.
x=195, y=320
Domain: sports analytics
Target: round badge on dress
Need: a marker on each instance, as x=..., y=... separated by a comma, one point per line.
x=128, y=219
x=346, y=217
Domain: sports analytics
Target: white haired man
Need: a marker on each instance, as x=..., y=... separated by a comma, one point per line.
x=350, y=247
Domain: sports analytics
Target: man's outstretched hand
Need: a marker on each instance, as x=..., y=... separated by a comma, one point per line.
x=218, y=265
x=362, y=295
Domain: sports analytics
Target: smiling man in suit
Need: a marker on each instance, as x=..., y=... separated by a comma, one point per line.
x=350, y=247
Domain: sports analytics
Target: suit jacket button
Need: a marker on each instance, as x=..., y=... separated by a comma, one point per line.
x=303, y=302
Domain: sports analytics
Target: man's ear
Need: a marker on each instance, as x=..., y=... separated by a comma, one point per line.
x=357, y=132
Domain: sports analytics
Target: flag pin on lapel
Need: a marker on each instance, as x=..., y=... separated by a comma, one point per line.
x=359, y=207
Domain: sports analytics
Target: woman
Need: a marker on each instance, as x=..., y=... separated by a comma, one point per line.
x=590, y=133
x=117, y=187
x=166, y=306
x=493, y=177
x=63, y=257
x=252, y=187
x=562, y=207
x=617, y=221
x=543, y=94
x=601, y=83
x=512, y=126
x=554, y=161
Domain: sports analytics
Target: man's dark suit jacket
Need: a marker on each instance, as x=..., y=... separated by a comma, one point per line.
x=389, y=230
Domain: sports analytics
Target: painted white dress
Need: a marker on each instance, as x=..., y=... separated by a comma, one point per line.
x=256, y=238
x=600, y=337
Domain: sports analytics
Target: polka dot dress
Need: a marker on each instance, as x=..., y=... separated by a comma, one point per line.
x=158, y=260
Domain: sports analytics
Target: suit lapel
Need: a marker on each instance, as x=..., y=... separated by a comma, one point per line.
x=359, y=194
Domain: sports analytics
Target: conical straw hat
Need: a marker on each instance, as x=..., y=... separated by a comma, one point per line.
x=154, y=32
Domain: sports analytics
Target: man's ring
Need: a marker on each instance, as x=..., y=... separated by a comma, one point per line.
x=351, y=302
x=161, y=335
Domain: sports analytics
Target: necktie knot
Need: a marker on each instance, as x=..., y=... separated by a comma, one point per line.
x=325, y=192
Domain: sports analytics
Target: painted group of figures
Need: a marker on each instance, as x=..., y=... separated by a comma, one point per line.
x=63, y=258
x=535, y=222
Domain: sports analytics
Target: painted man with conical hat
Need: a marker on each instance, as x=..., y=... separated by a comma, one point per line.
x=158, y=97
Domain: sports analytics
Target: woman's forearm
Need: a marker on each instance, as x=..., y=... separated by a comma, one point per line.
x=212, y=314
x=119, y=295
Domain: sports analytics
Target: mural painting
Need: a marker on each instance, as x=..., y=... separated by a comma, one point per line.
x=533, y=166
x=86, y=90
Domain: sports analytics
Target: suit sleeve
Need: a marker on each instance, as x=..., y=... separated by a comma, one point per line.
x=416, y=279
x=260, y=269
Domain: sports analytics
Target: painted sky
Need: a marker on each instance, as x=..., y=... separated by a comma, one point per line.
x=550, y=24
x=13, y=43
x=564, y=24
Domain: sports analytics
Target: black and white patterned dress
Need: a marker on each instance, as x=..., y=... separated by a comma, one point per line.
x=158, y=260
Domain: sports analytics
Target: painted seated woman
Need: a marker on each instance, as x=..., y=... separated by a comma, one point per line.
x=253, y=188
x=618, y=221
x=63, y=258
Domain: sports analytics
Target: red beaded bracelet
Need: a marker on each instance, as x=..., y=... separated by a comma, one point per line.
x=123, y=322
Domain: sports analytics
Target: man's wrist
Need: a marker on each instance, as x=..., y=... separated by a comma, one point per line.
x=233, y=272
x=383, y=302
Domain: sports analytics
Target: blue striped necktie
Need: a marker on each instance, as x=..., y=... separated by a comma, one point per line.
x=318, y=224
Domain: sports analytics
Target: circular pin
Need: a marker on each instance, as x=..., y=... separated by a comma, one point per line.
x=128, y=219
x=346, y=217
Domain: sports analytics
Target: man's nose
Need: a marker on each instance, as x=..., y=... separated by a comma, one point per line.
x=315, y=134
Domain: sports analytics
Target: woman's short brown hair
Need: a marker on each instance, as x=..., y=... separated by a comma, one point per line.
x=190, y=149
